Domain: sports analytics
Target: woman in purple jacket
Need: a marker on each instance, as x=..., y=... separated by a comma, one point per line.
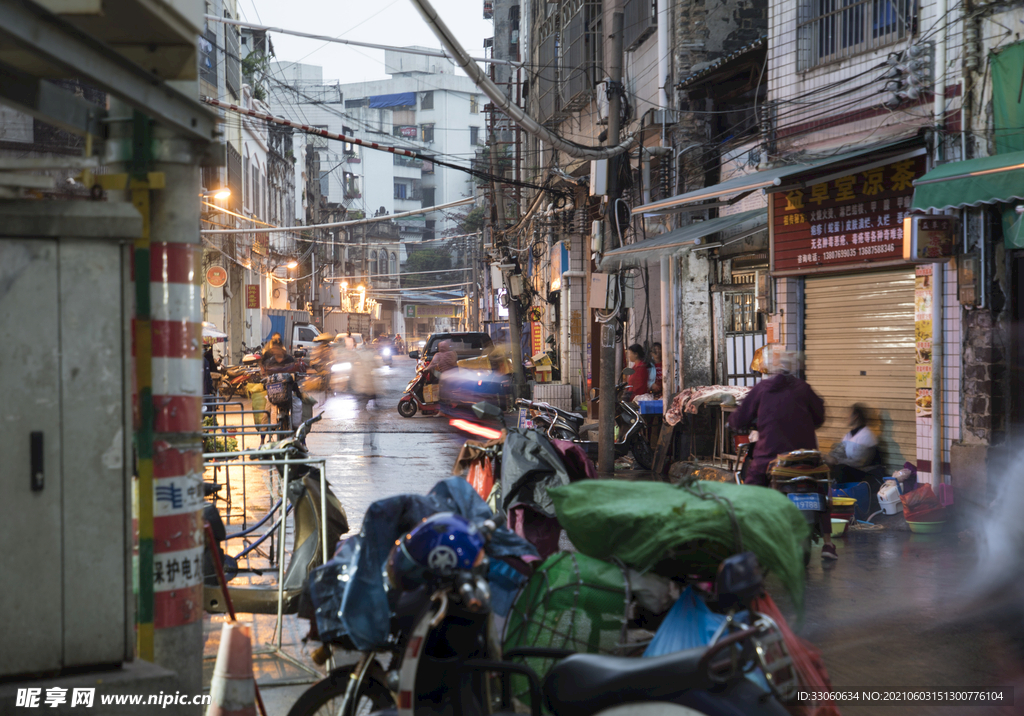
x=786, y=412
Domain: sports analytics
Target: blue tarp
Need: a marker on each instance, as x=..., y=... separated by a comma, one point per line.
x=349, y=593
x=402, y=99
x=277, y=324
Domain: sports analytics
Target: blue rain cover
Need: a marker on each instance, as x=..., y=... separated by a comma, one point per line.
x=401, y=99
x=349, y=593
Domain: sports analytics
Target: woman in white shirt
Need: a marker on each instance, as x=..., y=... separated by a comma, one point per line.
x=852, y=458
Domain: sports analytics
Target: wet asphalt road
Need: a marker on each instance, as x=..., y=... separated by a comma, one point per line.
x=891, y=613
x=379, y=453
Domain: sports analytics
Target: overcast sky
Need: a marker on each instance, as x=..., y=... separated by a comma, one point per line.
x=386, y=22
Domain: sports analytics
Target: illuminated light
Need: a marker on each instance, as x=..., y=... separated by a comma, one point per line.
x=361, y=288
x=474, y=429
x=344, y=284
x=292, y=264
x=222, y=194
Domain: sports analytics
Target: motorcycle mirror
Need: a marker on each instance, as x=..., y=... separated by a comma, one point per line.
x=415, y=355
x=487, y=410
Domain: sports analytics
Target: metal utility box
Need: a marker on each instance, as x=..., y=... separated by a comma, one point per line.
x=65, y=375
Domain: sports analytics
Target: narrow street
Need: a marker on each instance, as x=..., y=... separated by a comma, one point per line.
x=885, y=616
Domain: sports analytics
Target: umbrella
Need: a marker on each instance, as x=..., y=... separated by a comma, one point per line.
x=211, y=331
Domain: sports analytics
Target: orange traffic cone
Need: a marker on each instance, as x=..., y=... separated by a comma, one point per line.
x=233, y=689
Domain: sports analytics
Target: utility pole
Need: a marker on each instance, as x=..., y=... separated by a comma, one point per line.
x=477, y=254
x=607, y=398
x=514, y=332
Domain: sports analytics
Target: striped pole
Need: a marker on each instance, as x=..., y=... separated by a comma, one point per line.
x=177, y=399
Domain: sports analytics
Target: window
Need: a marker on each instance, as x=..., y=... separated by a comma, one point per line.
x=474, y=135
x=393, y=266
x=427, y=133
x=306, y=334
x=325, y=184
x=246, y=188
x=356, y=103
x=255, y=184
x=382, y=262
x=427, y=100
x=232, y=64
x=639, y=23
x=349, y=147
x=351, y=186
x=833, y=29
x=372, y=264
x=428, y=197
x=400, y=190
x=474, y=104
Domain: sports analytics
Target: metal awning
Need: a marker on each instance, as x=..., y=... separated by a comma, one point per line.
x=988, y=180
x=768, y=179
x=644, y=252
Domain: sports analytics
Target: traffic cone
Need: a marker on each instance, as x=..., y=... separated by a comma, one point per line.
x=233, y=689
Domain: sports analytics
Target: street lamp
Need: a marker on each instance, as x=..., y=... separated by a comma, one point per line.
x=292, y=264
x=219, y=194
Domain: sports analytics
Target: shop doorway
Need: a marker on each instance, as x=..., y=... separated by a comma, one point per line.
x=1016, y=362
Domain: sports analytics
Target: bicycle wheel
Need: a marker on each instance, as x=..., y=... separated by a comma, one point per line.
x=325, y=698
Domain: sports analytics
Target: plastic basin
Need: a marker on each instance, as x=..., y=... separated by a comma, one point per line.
x=922, y=528
x=844, y=501
x=839, y=527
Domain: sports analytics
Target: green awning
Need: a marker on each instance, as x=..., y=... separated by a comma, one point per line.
x=988, y=180
x=671, y=243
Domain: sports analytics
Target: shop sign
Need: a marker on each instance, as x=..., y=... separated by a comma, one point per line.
x=252, y=295
x=849, y=222
x=451, y=310
x=410, y=132
x=261, y=244
x=536, y=339
x=923, y=341
x=930, y=238
x=216, y=276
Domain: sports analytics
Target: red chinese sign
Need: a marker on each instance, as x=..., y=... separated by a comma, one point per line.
x=848, y=222
x=252, y=295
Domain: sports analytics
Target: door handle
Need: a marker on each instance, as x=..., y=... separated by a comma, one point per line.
x=36, y=459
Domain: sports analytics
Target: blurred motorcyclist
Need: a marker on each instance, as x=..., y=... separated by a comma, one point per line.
x=444, y=360
x=786, y=412
x=399, y=344
x=277, y=359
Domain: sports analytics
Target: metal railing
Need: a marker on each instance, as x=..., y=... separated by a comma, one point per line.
x=833, y=29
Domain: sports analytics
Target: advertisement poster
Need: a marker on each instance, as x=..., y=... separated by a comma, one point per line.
x=536, y=338
x=923, y=341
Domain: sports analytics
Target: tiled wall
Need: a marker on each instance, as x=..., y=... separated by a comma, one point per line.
x=950, y=379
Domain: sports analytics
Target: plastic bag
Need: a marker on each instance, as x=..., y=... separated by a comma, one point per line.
x=688, y=624
x=918, y=502
x=481, y=477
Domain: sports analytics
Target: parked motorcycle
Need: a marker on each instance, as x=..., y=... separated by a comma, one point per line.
x=561, y=424
x=304, y=500
x=445, y=658
x=420, y=395
x=804, y=477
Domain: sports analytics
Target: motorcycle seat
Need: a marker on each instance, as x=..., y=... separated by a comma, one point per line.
x=583, y=684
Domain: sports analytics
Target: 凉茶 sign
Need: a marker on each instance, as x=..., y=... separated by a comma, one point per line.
x=844, y=223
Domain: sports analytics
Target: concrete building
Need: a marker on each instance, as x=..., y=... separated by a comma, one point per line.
x=424, y=107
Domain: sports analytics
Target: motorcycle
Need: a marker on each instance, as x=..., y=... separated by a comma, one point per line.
x=444, y=656
x=303, y=493
x=416, y=394
x=804, y=477
x=560, y=424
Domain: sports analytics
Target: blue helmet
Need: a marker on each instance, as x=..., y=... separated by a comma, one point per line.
x=442, y=544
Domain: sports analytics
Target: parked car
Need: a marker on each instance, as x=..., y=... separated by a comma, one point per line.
x=469, y=344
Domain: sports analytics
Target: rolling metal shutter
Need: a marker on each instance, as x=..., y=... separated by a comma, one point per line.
x=859, y=348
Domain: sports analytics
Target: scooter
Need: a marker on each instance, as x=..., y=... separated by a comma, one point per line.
x=804, y=477
x=445, y=658
x=304, y=499
x=560, y=424
x=416, y=394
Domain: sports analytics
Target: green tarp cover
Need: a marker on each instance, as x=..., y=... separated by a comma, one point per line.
x=645, y=524
x=986, y=180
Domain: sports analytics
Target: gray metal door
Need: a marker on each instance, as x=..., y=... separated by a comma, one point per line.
x=30, y=509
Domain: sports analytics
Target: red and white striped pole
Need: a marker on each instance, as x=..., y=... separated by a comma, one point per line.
x=177, y=399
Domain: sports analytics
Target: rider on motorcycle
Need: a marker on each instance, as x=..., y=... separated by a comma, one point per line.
x=786, y=412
